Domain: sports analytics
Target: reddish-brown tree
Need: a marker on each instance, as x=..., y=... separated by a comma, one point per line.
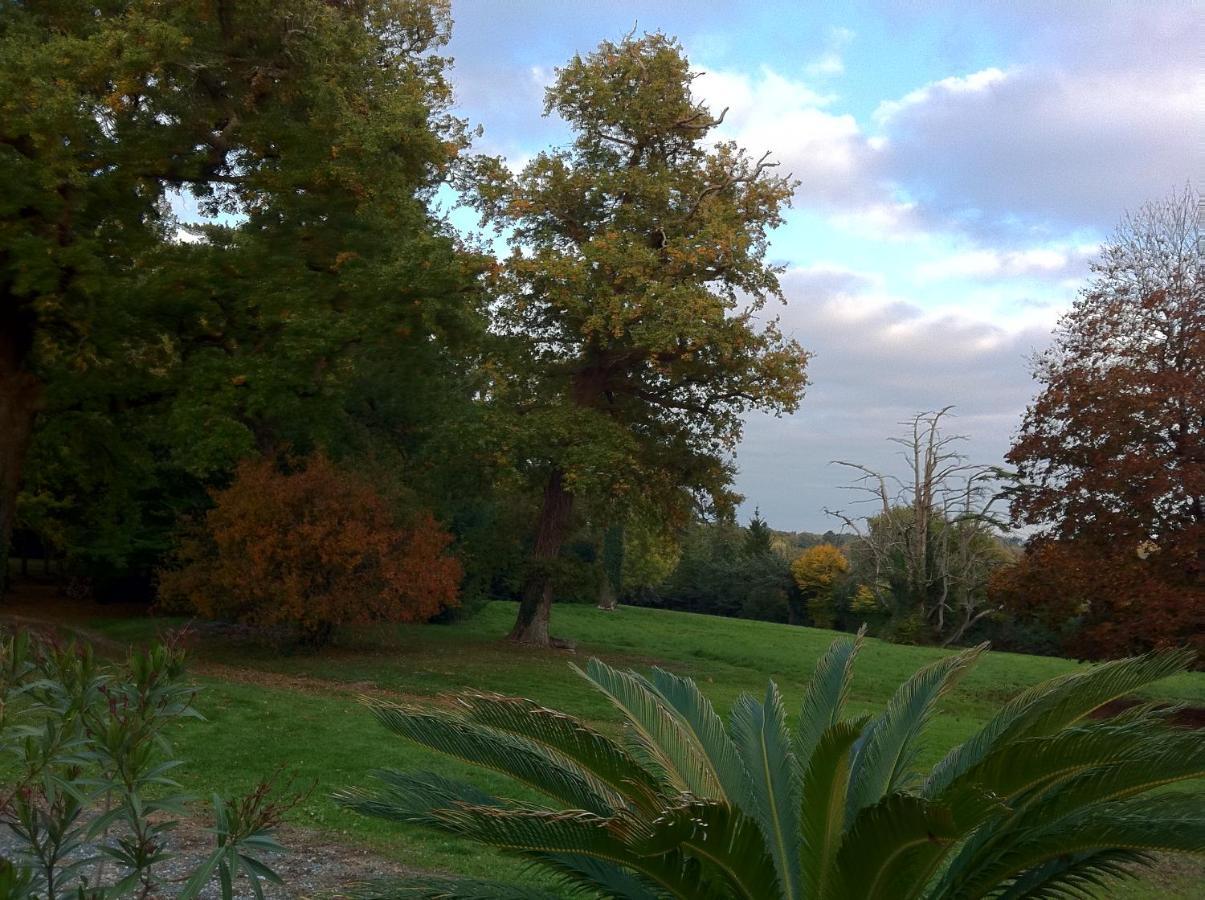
x=1111, y=454
x=312, y=548
x=1100, y=603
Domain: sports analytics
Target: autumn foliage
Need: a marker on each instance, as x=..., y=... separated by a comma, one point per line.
x=1103, y=601
x=312, y=548
x=1111, y=453
x=816, y=572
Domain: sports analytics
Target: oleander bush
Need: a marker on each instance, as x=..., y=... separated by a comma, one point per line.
x=88, y=799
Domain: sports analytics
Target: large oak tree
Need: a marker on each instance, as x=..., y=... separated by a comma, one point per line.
x=634, y=294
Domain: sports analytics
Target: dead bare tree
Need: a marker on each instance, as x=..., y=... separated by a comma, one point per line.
x=932, y=542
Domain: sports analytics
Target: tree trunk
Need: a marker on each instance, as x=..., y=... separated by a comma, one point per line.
x=535, y=606
x=20, y=402
x=607, y=598
x=611, y=575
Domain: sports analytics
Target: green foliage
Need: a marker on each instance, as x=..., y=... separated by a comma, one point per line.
x=318, y=304
x=1048, y=794
x=717, y=574
x=90, y=760
x=758, y=536
x=630, y=301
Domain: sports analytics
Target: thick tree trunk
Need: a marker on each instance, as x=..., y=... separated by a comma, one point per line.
x=535, y=607
x=20, y=402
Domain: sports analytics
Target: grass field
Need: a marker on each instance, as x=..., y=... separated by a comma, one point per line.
x=264, y=709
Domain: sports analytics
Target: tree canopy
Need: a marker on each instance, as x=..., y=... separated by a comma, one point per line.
x=634, y=294
x=1111, y=453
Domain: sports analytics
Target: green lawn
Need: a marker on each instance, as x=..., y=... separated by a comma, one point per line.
x=299, y=711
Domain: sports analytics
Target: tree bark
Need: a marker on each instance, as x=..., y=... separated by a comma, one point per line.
x=611, y=568
x=535, y=606
x=20, y=402
x=607, y=598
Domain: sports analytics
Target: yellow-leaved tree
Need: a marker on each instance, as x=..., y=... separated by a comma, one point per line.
x=816, y=572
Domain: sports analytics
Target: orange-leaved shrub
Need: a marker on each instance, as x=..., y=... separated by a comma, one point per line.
x=312, y=548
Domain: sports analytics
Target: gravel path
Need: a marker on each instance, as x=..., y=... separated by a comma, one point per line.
x=313, y=867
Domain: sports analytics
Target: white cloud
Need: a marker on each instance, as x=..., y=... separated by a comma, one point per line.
x=827, y=152
x=975, y=83
x=878, y=360
x=1049, y=262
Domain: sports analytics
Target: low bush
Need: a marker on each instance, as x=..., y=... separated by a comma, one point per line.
x=311, y=549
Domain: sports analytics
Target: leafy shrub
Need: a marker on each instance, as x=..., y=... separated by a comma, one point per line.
x=88, y=758
x=311, y=548
x=1045, y=800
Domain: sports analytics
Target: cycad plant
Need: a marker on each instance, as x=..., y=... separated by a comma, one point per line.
x=1047, y=800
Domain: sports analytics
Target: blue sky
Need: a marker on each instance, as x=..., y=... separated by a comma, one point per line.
x=959, y=165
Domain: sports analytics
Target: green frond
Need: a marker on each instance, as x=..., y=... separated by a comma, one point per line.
x=524, y=761
x=613, y=770
x=826, y=694
x=684, y=696
x=1152, y=712
x=661, y=738
x=823, y=811
x=537, y=834
x=888, y=843
x=585, y=873
x=1034, y=765
x=1083, y=876
x=1055, y=704
x=760, y=732
x=412, y=796
x=437, y=887
x=1164, y=758
x=883, y=760
x=731, y=843
x=1164, y=822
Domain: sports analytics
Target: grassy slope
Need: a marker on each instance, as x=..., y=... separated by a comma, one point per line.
x=324, y=735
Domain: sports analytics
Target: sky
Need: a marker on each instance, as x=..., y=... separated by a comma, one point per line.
x=959, y=165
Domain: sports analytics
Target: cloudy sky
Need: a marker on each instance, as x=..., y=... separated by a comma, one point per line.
x=959, y=165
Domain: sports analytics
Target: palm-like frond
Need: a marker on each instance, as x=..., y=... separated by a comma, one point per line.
x=825, y=786
x=590, y=875
x=554, y=775
x=888, y=841
x=684, y=696
x=1042, y=802
x=612, y=768
x=884, y=758
x=730, y=844
x=661, y=739
x=413, y=796
x=1166, y=822
x=760, y=731
x=1055, y=704
x=1082, y=876
x=826, y=694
